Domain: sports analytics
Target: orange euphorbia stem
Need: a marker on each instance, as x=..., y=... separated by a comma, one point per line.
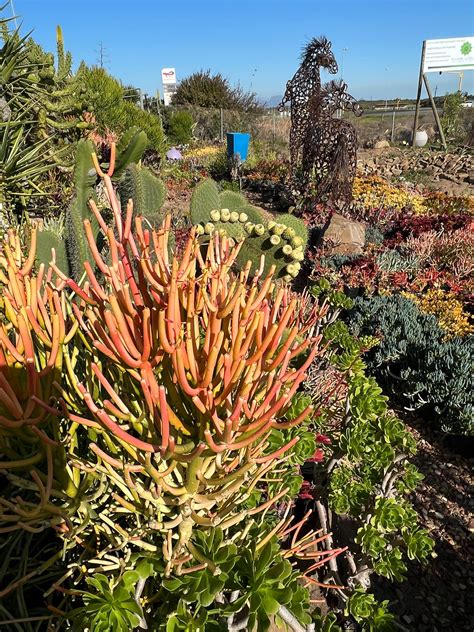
x=284, y=425
x=115, y=205
x=94, y=283
x=165, y=426
x=93, y=247
x=129, y=352
x=277, y=453
x=26, y=269
x=98, y=216
x=163, y=335
x=178, y=366
x=112, y=160
x=123, y=435
x=269, y=502
x=211, y=361
x=44, y=437
x=310, y=580
x=114, y=462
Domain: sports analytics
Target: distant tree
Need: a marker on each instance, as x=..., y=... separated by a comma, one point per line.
x=213, y=91
x=179, y=127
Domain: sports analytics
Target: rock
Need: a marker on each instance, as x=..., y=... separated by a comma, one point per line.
x=381, y=144
x=347, y=236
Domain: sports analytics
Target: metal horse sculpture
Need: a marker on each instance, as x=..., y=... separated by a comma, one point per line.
x=305, y=84
x=330, y=146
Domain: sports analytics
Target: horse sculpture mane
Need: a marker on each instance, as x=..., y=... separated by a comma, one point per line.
x=305, y=83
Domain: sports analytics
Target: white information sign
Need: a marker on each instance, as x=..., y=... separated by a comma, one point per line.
x=168, y=76
x=448, y=55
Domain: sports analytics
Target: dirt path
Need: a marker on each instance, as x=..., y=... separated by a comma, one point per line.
x=435, y=597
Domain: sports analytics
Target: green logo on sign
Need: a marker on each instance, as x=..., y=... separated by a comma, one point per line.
x=466, y=48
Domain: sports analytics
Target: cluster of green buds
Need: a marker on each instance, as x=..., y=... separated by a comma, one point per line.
x=293, y=247
x=282, y=243
x=221, y=215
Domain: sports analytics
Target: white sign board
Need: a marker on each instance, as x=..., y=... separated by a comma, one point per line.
x=168, y=93
x=168, y=76
x=448, y=55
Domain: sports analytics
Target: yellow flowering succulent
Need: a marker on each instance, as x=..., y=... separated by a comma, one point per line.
x=375, y=192
x=448, y=310
x=203, y=152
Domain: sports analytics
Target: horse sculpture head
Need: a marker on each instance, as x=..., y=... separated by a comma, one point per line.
x=318, y=53
x=335, y=97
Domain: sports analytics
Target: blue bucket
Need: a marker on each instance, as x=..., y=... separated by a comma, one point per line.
x=238, y=145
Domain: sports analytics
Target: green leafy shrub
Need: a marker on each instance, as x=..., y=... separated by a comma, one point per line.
x=112, y=112
x=149, y=122
x=370, y=614
x=180, y=127
x=362, y=474
x=452, y=116
x=253, y=584
x=415, y=362
x=111, y=605
x=371, y=475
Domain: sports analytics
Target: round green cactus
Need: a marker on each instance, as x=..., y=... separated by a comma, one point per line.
x=281, y=240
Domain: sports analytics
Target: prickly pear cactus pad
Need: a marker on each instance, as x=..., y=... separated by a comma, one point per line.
x=282, y=242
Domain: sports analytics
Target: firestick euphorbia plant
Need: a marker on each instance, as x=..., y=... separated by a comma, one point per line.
x=187, y=369
x=34, y=330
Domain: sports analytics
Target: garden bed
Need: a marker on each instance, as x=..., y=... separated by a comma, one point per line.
x=436, y=595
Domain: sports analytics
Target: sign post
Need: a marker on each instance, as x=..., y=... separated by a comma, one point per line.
x=168, y=79
x=442, y=55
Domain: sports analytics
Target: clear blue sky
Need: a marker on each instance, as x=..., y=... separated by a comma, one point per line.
x=255, y=42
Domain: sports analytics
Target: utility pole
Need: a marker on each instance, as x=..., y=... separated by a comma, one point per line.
x=13, y=13
x=103, y=58
x=385, y=108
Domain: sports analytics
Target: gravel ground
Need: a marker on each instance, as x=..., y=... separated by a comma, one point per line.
x=435, y=596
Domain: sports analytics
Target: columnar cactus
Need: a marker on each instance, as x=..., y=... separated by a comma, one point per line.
x=67, y=237
x=187, y=370
x=282, y=240
x=147, y=192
